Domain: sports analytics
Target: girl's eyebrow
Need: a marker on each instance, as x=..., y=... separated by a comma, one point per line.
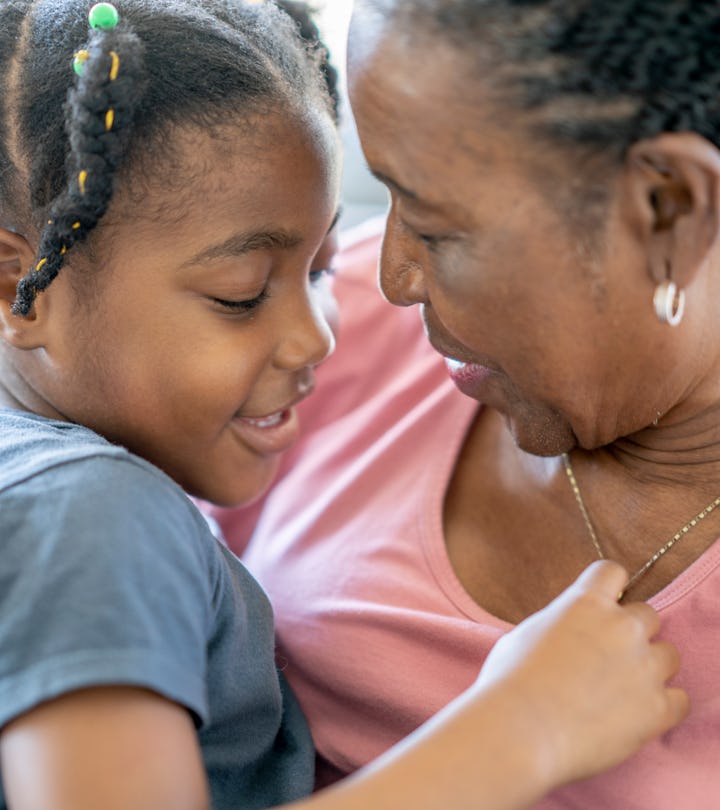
x=240, y=243
x=335, y=219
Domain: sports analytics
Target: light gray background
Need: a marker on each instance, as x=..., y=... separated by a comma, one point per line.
x=363, y=197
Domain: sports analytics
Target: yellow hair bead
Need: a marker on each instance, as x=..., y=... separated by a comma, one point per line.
x=109, y=120
x=115, y=67
x=50, y=222
x=75, y=225
x=82, y=177
x=39, y=265
x=63, y=250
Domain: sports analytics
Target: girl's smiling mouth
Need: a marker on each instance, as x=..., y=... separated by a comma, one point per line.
x=277, y=431
x=266, y=421
x=268, y=435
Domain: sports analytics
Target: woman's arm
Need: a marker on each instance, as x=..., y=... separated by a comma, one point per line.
x=572, y=691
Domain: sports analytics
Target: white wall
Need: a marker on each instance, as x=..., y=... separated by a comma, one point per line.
x=363, y=196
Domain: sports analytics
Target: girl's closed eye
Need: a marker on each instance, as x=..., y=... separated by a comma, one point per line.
x=247, y=305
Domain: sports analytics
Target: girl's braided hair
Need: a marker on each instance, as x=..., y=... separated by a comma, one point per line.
x=302, y=13
x=169, y=63
x=602, y=74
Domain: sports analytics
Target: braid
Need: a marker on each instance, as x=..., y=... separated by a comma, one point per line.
x=99, y=116
x=602, y=73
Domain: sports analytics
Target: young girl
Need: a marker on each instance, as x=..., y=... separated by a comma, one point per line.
x=161, y=206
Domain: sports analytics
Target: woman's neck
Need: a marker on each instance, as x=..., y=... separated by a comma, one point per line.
x=516, y=535
x=643, y=489
x=683, y=451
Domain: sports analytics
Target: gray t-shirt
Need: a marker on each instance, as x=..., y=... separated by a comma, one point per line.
x=109, y=575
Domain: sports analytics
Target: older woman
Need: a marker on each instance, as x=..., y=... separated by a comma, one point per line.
x=555, y=181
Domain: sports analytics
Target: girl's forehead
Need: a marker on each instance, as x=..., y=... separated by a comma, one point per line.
x=190, y=154
x=246, y=168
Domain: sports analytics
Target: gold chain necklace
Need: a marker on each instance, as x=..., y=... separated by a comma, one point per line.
x=659, y=553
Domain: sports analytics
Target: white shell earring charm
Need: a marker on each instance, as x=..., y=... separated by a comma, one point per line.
x=669, y=303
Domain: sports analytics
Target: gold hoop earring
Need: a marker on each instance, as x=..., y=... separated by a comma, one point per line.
x=669, y=303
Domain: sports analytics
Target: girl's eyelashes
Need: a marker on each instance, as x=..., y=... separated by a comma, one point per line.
x=248, y=305
x=316, y=275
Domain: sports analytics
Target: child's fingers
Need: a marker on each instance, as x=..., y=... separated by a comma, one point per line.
x=603, y=577
x=678, y=707
x=666, y=658
x=645, y=615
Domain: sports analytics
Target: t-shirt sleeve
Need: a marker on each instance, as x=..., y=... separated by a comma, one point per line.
x=105, y=579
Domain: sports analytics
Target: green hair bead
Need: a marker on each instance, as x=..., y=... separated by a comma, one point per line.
x=79, y=61
x=103, y=15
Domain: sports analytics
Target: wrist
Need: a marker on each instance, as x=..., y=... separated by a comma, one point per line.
x=526, y=739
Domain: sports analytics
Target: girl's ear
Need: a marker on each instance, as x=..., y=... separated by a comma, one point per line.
x=16, y=256
x=672, y=199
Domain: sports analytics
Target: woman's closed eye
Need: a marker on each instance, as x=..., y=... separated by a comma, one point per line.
x=431, y=240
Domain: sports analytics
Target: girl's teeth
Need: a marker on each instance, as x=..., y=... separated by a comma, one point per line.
x=267, y=421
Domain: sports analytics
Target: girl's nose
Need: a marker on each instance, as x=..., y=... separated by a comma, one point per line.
x=308, y=341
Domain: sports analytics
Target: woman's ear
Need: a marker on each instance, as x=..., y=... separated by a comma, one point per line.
x=672, y=197
x=16, y=256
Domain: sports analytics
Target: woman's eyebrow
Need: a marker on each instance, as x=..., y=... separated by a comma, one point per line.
x=388, y=181
x=241, y=243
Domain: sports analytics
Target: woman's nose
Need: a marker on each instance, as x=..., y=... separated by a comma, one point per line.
x=402, y=279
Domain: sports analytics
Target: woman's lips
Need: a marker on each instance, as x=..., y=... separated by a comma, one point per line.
x=470, y=378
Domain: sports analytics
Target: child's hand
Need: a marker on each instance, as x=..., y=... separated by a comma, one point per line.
x=590, y=679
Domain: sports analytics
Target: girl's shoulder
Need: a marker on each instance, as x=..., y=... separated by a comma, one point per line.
x=32, y=445
x=63, y=485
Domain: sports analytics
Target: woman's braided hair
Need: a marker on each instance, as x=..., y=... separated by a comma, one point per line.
x=169, y=63
x=600, y=73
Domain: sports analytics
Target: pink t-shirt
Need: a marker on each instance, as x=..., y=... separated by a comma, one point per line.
x=375, y=631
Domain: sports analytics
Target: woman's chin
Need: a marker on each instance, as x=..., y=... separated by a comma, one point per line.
x=540, y=434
